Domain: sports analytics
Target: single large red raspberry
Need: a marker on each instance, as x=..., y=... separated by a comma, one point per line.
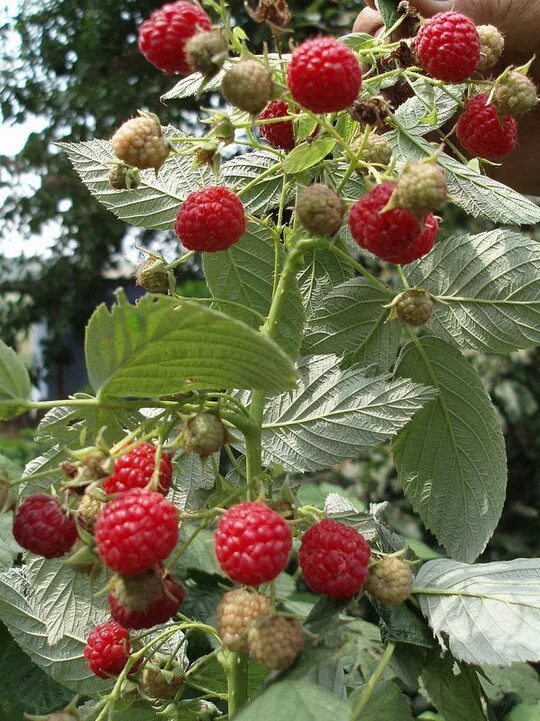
x=210, y=220
x=334, y=559
x=279, y=135
x=448, y=47
x=136, y=468
x=395, y=235
x=135, y=531
x=163, y=37
x=252, y=543
x=324, y=75
x=108, y=649
x=483, y=133
x=159, y=610
x=41, y=526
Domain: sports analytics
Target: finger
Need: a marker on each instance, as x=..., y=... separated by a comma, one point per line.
x=369, y=21
x=479, y=11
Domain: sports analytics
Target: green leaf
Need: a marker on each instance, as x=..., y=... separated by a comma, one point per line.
x=453, y=688
x=200, y=552
x=243, y=169
x=489, y=287
x=9, y=548
x=49, y=610
x=389, y=11
x=444, y=101
x=163, y=346
x=155, y=202
x=191, y=86
x=401, y=625
x=192, y=481
x=300, y=700
x=323, y=272
x=386, y=702
x=451, y=458
x=351, y=320
x=520, y=680
x=244, y=274
x=333, y=415
x=490, y=612
x=524, y=712
x=476, y=194
x=15, y=386
x=358, y=41
x=306, y=155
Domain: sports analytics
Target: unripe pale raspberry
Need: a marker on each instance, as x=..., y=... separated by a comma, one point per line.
x=394, y=235
x=276, y=641
x=90, y=507
x=421, y=188
x=483, y=133
x=41, y=525
x=140, y=143
x=491, y=47
x=248, y=85
x=320, y=210
x=136, y=531
x=136, y=468
x=204, y=434
x=236, y=612
x=159, y=683
x=324, y=75
x=515, y=94
x=252, y=543
x=376, y=149
x=390, y=581
x=121, y=177
x=334, y=559
x=155, y=603
x=414, y=307
x=163, y=37
x=279, y=135
x=210, y=220
x=448, y=47
x=206, y=52
x=151, y=276
x=108, y=649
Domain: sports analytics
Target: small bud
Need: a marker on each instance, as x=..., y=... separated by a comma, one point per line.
x=153, y=277
x=206, y=52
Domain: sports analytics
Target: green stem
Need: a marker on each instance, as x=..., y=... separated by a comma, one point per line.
x=237, y=682
x=372, y=683
x=360, y=268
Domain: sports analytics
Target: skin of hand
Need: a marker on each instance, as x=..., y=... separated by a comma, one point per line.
x=519, y=21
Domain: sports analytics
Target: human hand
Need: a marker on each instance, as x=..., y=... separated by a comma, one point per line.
x=519, y=21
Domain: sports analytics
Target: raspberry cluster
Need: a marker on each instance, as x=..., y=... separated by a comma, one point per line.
x=135, y=469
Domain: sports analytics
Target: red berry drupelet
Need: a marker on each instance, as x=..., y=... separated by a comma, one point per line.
x=448, y=47
x=136, y=468
x=252, y=543
x=41, y=526
x=483, y=133
x=396, y=235
x=279, y=135
x=334, y=559
x=108, y=649
x=135, y=531
x=158, y=610
x=210, y=220
x=163, y=37
x=324, y=75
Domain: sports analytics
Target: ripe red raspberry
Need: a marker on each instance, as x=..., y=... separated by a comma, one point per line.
x=235, y=613
x=276, y=641
x=163, y=37
x=248, y=85
x=210, y=220
x=334, y=559
x=139, y=142
x=324, y=75
x=448, y=47
x=320, y=209
x=137, y=602
x=414, y=307
x=41, y=526
x=252, y=543
x=204, y=434
x=394, y=235
x=135, y=531
x=108, y=649
x=491, y=46
x=483, y=133
x=279, y=135
x=136, y=468
x=390, y=581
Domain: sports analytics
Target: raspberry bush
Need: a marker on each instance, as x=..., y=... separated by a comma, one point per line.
x=172, y=560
